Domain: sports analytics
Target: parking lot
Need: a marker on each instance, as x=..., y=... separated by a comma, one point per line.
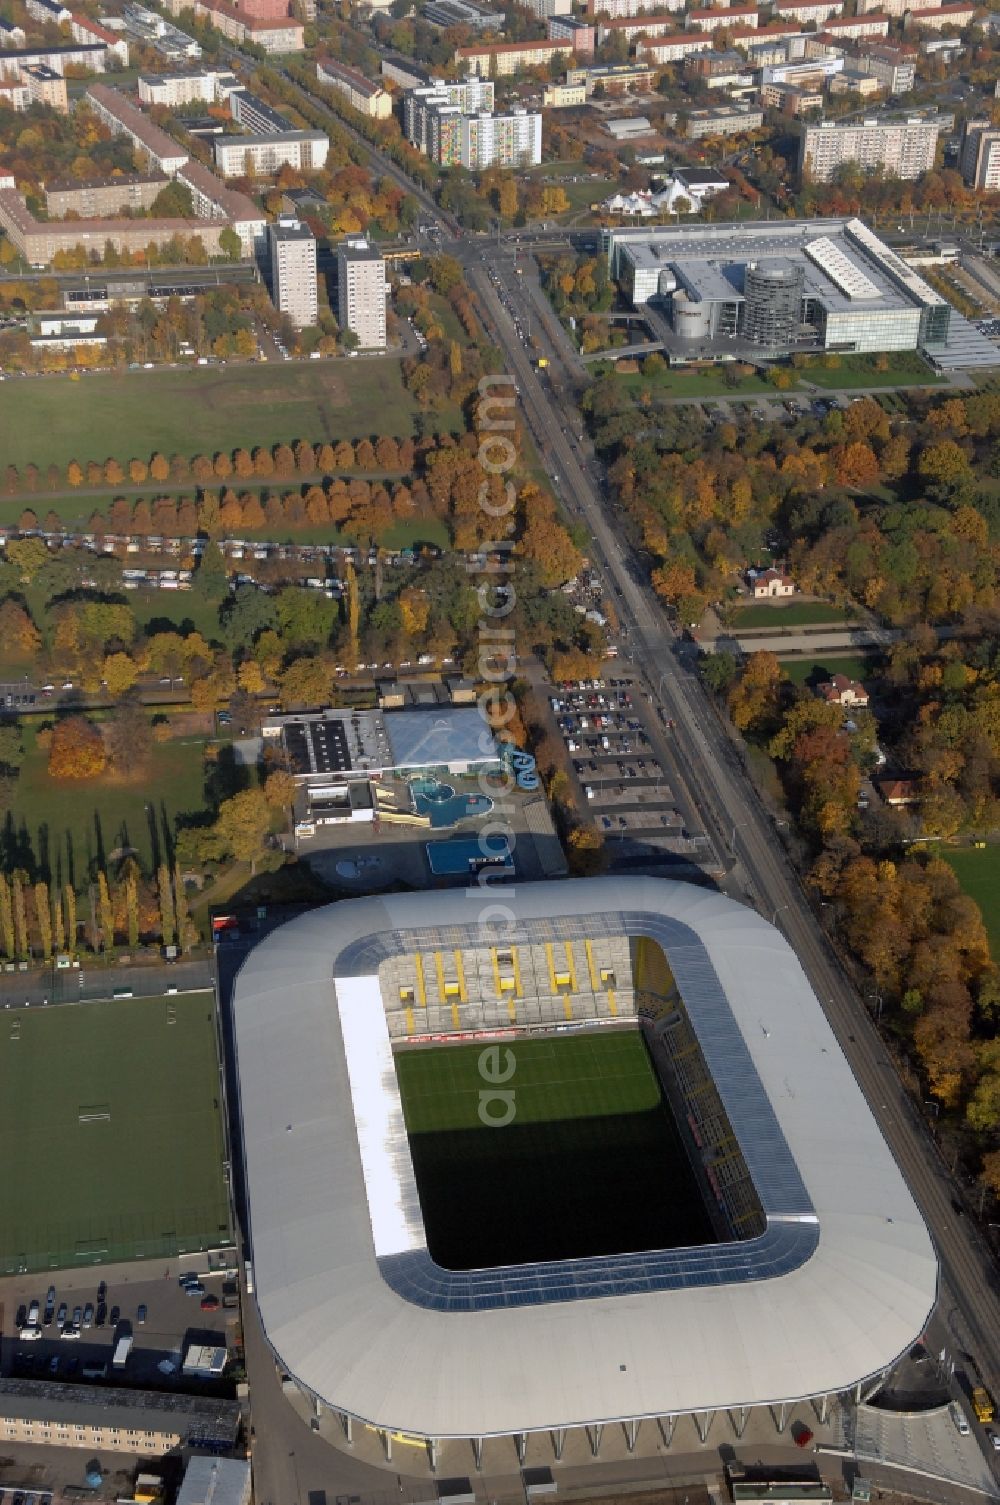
x=83, y=1315
x=621, y=783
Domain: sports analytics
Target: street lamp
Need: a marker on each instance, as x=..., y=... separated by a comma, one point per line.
x=774, y=917
x=929, y=1102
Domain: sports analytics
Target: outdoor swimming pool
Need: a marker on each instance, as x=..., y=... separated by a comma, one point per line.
x=444, y=806
x=456, y=858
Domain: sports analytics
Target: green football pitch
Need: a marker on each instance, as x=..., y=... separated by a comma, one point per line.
x=581, y=1158
x=111, y=1132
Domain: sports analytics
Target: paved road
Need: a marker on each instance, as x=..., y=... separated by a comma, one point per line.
x=715, y=773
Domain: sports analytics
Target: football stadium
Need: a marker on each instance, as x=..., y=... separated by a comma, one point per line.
x=569, y=1154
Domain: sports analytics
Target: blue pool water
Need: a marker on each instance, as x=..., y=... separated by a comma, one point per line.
x=457, y=858
x=444, y=806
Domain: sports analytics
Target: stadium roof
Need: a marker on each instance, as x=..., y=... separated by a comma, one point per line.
x=838, y=1286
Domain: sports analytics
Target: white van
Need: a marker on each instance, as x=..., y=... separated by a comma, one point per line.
x=958, y=1416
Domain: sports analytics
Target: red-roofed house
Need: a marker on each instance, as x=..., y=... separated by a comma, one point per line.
x=850, y=693
x=766, y=584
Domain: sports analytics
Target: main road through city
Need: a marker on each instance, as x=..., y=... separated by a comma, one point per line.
x=740, y=824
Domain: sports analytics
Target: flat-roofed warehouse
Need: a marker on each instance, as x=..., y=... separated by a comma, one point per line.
x=833, y=1282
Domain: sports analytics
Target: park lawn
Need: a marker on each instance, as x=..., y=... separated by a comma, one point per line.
x=693, y=385
x=794, y=614
x=111, y=1133
x=201, y=410
x=66, y=825
x=978, y=871
x=906, y=369
x=174, y=611
x=855, y=666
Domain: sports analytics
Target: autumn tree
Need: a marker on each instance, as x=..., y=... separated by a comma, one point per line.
x=242, y=824
x=77, y=749
x=753, y=699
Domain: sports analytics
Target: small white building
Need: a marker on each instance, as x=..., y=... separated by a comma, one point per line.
x=768, y=585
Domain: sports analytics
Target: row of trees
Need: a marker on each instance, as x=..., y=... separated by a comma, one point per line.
x=41, y=919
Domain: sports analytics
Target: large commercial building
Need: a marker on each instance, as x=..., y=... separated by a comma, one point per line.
x=727, y=291
x=236, y=156
x=293, y=271
x=96, y=198
x=806, y=1210
x=980, y=156
x=361, y=94
x=361, y=292
x=900, y=148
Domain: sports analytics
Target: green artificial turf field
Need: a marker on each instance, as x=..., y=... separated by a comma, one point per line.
x=110, y=1125
x=590, y=1162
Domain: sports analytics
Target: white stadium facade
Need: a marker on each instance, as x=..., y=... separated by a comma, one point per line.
x=831, y=1281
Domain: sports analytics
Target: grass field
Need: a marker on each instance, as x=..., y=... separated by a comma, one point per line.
x=111, y=1132
x=591, y=1162
x=978, y=871
x=794, y=614
x=66, y=825
x=809, y=670
x=195, y=411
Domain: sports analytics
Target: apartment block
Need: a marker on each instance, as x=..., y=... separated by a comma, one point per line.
x=91, y=57
x=712, y=20
x=615, y=78
x=942, y=16
x=276, y=34
x=505, y=58
x=903, y=149
x=671, y=49
x=98, y=198
x=404, y=72
x=11, y=35
x=792, y=99
x=207, y=86
x=39, y=241
x=46, y=87
x=361, y=93
x=212, y=199
x=124, y=118
x=83, y=29
x=422, y=107
x=113, y=1420
x=895, y=68
x=543, y=9
x=14, y=95
x=872, y=24
x=256, y=117
x=979, y=158
x=236, y=156
x=574, y=29
x=293, y=271
x=808, y=10
x=622, y=9
x=723, y=120
x=564, y=96
x=47, y=11
x=361, y=293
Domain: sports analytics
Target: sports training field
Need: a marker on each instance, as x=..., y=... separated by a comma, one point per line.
x=110, y=1131
x=591, y=1162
